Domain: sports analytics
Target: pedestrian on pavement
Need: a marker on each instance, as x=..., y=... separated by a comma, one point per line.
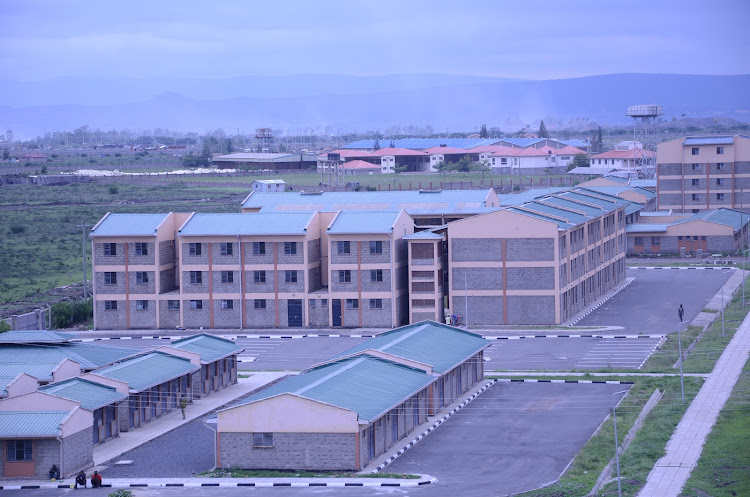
x=183, y=405
x=96, y=480
x=54, y=473
x=81, y=479
x=681, y=313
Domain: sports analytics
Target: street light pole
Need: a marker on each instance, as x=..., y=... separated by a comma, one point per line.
x=722, y=310
x=83, y=249
x=679, y=342
x=617, y=443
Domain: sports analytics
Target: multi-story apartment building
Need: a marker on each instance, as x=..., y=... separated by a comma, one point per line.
x=539, y=262
x=697, y=173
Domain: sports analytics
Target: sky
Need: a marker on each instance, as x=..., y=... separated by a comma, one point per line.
x=544, y=39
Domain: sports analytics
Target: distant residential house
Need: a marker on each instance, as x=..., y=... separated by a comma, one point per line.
x=268, y=185
x=624, y=160
x=35, y=157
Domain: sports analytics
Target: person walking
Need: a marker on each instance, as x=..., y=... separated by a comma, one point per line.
x=183, y=405
x=681, y=313
x=96, y=480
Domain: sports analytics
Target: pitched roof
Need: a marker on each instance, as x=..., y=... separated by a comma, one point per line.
x=89, y=394
x=18, y=424
x=34, y=336
x=728, y=217
x=708, y=140
x=529, y=195
x=211, y=348
x=128, y=225
x=424, y=143
x=349, y=222
x=428, y=342
x=270, y=181
x=148, y=370
x=367, y=385
x=623, y=154
x=261, y=223
x=87, y=355
x=360, y=164
x=446, y=150
x=424, y=235
x=396, y=151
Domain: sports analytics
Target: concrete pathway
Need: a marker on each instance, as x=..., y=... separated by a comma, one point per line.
x=502, y=374
x=684, y=448
x=200, y=407
x=721, y=300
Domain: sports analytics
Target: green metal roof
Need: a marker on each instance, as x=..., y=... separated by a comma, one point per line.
x=41, y=371
x=31, y=424
x=363, y=222
x=646, y=228
x=728, y=217
x=560, y=224
x=261, y=223
x=210, y=348
x=89, y=356
x=617, y=190
x=89, y=394
x=35, y=336
x=95, y=356
x=428, y=342
x=148, y=370
x=128, y=225
x=367, y=385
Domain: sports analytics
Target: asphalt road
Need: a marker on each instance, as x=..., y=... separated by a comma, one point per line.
x=649, y=304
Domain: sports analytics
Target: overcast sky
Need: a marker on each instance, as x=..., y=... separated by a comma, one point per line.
x=542, y=39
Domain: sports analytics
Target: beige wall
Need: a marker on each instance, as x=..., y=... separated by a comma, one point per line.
x=66, y=369
x=23, y=384
x=120, y=386
x=670, y=152
x=193, y=357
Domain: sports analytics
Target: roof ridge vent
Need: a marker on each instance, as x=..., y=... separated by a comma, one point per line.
x=310, y=193
x=438, y=190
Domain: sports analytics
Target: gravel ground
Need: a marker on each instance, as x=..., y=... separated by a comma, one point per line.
x=186, y=451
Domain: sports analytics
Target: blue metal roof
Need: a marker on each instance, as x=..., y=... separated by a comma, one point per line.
x=363, y=222
x=522, y=142
x=422, y=143
x=709, y=140
x=646, y=228
x=261, y=223
x=633, y=207
x=616, y=190
x=560, y=208
x=128, y=225
x=529, y=195
x=424, y=235
x=560, y=224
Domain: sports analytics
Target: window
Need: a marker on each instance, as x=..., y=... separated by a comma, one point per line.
x=259, y=304
x=376, y=303
x=352, y=304
x=694, y=151
x=110, y=249
x=719, y=196
x=196, y=305
x=110, y=278
x=110, y=305
x=19, y=450
x=696, y=211
x=719, y=150
x=695, y=197
x=262, y=439
x=141, y=277
x=345, y=276
x=312, y=302
x=227, y=276
x=344, y=248
x=719, y=166
x=696, y=167
x=227, y=304
x=290, y=248
x=196, y=277
x=639, y=240
x=194, y=248
x=719, y=181
x=290, y=276
x=376, y=247
x=141, y=305
x=141, y=248
x=259, y=276
x=655, y=240
x=695, y=182
x=259, y=248
x=376, y=275
x=324, y=302
x=173, y=305
x=503, y=161
x=226, y=249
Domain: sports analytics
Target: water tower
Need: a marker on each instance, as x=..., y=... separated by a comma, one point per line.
x=644, y=132
x=264, y=138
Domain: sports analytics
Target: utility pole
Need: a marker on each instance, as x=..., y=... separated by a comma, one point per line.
x=83, y=227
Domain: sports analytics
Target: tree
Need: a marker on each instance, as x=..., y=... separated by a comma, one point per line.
x=580, y=160
x=376, y=145
x=443, y=166
x=400, y=169
x=464, y=164
x=597, y=145
x=6, y=154
x=543, y=130
x=230, y=148
x=483, y=132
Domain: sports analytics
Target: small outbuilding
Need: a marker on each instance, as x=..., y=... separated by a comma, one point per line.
x=269, y=185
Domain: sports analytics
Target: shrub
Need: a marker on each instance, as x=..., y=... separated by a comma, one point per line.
x=4, y=326
x=44, y=169
x=121, y=493
x=17, y=229
x=65, y=314
x=113, y=190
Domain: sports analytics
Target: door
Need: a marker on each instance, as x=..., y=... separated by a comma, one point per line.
x=294, y=313
x=370, y=443
x=336, y=310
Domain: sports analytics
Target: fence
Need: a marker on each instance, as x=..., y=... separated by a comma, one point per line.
x=34, y=320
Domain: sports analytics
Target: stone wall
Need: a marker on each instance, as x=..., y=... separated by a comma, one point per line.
x=188, y=259
x=143, y=318
x=298, y=258
x=220, y=287
x=313, y=250
x=194, y=318
x=483, y=310
x=530, y=249
x=314, y=278
x=531, y=309
x=337, y=286
x=118, y=288
x=530, y=278
x=233, y=259
x=168, y=318
x=290, y=286
x=78, y=453
x=116, y=260
x=143, y=288
x=376, y=317
x=227, y=318
x=167, y=252
x=483, y=278
x=148, y=259
x=368, y=285
x=109, y=319
x=476, y=249
x=166, y=280
x=188, y=287
x=318, y=313
x=372, y=257
x=252, y=287
x=260, y=317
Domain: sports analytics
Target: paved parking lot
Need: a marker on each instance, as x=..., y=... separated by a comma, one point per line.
x=512, y=438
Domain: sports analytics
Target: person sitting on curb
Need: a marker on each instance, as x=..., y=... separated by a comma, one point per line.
x=96, y=480
x=54, y=473
x=80, y=479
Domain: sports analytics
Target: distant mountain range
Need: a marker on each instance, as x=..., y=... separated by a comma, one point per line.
x=455, y=103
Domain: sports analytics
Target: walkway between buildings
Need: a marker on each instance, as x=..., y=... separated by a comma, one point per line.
x=200, y=407
x=684, y=448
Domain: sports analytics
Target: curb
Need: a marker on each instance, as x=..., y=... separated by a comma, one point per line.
x=598, y=304
x=228, y=337
x=432, y=428
x=605, y=382
x=570, y=336
x=725, y=268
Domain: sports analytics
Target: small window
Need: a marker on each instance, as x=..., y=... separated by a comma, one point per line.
x=141, y=277
x=196, y=277
x=694, y=151
x=696, y=167
x=226, y=249
x=312, y=303
x=345, y=276
x=227, y=276
x=344, y=248
x=655, y=240
x=110, y=249
x=290, y=276
x=376, y=247
x=324, y=302
x=352, y=304
x=703, y=237
x=110, y=278
x=376, y=303
x=719, y=196
x=259, y=304
x=141, y=305
x=262, y=439
x=110, y=305
x=696, y=211
x=259, y=276
x=695, y=238
x=503, y=161
x=173, y=305
x=639, y=240
x=719, y=181
x=679, y=238
x=196, y=305
x=194, y=248
x=376, y=275
x=141, y=248
x=695, y=182
x=719, y=150
x=19, y=450
x=695, y=197
x=227, y=304
x=259, y=248
x=290, y=248
x=719, y=166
